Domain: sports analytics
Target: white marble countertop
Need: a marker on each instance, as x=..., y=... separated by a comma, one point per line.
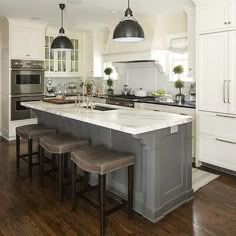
x=127, y=120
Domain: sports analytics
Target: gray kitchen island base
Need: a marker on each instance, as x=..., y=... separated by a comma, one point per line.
x=163, y=169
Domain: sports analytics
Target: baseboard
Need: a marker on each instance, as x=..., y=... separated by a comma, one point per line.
x=217, y=169
x=5, y=134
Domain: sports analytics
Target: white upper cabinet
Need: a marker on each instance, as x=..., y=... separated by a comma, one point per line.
x=216, y=15
x=213, y=72
x=19, y=46
x=26, y=40
x=35, y=43
x=213, y=17
x=94, y=47
x=232, y=13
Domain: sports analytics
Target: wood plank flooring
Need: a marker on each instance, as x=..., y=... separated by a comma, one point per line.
x=26, y=209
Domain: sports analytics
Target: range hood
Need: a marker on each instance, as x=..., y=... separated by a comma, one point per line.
x=159, y=57
x=145, y=51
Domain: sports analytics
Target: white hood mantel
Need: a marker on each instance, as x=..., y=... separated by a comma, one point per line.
x=157, y=56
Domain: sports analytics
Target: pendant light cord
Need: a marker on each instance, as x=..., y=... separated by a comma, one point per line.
x=62, y=7
x=62, y=19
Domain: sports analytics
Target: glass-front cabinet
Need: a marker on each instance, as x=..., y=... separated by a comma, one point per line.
x=61, y=63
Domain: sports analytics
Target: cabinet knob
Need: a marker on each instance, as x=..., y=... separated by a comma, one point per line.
x=226, y=23
x=229, y=22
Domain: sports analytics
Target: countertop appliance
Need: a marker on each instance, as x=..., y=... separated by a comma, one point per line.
x=27, y=84
x=192, y=92
x=126, y=100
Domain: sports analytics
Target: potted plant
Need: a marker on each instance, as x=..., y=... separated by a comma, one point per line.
x=108, y=72
x=179, y=84
x=89, y=86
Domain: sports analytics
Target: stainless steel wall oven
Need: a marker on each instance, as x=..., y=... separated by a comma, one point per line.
x=27, y=77
x=27, y=84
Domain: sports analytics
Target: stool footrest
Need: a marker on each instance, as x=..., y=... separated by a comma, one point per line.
x=123, y=203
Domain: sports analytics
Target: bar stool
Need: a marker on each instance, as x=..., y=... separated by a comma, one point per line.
x=29, y=132
x=60, y=145
x=101, y=160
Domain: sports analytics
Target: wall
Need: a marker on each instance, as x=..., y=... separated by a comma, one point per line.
x=168, y=24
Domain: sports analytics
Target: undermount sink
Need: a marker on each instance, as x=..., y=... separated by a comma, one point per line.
x=101, y=108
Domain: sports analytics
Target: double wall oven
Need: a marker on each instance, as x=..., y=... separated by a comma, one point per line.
x=27, y=84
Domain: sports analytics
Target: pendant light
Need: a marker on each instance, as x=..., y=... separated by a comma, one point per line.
x=61, y=42
x=128, y=29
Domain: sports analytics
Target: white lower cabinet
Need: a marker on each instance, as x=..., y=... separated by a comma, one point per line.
x=217, y=151
x=176, y=110
x=217, y=139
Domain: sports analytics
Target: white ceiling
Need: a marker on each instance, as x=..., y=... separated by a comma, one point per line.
x=88, y=13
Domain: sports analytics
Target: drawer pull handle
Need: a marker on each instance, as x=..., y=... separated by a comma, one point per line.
x=229, y=91
x=225, y=141
x=183, y=114
x=233, y=117
x=224, y=92
x=156, y=110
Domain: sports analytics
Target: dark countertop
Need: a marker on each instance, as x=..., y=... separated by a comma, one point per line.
x=75, y=94
x=191, y=105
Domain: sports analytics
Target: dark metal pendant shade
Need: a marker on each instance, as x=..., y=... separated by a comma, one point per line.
x=128, y=29
x=61, y=42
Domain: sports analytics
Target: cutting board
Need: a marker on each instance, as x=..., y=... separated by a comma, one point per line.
x=58, y=101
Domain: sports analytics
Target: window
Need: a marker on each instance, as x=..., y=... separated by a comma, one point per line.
x=114, y=75
x=178, y=47
x=176, y=59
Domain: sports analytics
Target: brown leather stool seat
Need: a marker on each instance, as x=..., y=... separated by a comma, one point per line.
x=29, y=132
x=33, y=131
x=60, y=145
x=102, y=160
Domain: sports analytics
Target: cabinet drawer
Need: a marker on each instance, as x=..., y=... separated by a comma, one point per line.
x=218, y=125
x=218, y=152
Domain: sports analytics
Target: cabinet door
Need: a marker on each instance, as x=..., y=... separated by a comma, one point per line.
x=213, y=17
x=213, y=72
x=35, y=44
x=232, y=14
x=218, y=152
x=18, y=43
x=232, y=73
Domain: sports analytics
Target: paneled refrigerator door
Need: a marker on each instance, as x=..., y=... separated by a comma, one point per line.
x=232, y=73
x=213, y=72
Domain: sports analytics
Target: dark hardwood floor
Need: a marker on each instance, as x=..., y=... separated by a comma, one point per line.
x=26, y=209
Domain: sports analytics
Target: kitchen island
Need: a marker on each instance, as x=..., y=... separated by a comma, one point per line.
x=161, y=143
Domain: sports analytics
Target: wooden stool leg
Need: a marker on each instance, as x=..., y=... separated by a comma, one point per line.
x=17, y=151
x=30, y=146
x=86, y=179
x=41, y=166
x=53, y=162
x=61, y=175
x=102, y=204
x=74, y=193
x=130, y=190
x=65, y=157
x=99, y=184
